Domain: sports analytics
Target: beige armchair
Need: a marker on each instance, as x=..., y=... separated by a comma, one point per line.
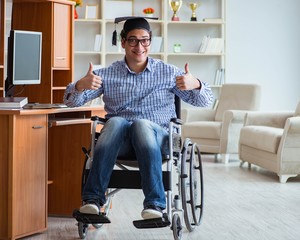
x=217, y=131
x=271, y=140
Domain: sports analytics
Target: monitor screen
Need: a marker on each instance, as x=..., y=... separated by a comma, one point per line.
x=27, y=53
x=24, y=57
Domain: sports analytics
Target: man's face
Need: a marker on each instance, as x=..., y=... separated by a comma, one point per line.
x=137, y=45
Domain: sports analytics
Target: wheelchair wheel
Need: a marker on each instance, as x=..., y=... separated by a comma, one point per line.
x=196, y=184
x=191, y=185
x=82, y=230
x=176, y=227
x=97, y=225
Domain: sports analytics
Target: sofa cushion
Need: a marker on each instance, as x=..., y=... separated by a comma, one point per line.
x=202, y=129
x=261, y=137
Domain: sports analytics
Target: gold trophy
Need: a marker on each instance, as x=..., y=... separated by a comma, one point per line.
x=193, y=6
x=175, y=5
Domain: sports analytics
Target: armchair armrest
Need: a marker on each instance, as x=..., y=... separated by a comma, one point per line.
x=233, y=121
x=293, y=123
x=289, y=147
x=235, y=116
x=197, y=114
x=271, y=119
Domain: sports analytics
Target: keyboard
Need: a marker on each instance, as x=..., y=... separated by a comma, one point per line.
x=44, y=105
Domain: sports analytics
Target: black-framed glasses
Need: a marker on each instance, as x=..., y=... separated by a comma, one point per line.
x=133, y=42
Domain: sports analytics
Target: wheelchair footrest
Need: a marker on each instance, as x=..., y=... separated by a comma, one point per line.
x=153, y=223
x=90, y=218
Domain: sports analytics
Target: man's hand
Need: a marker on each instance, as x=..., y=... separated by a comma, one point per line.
x=89, y=81
x=187, y=81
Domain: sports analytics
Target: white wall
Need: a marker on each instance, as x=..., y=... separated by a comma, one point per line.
x=263, y=46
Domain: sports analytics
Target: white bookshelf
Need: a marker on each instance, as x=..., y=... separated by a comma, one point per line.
x=184, y=32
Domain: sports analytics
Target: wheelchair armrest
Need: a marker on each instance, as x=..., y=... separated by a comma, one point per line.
x=99, y=119
x=177, y=121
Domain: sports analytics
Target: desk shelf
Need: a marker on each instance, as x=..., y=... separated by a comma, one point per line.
x=68, y=121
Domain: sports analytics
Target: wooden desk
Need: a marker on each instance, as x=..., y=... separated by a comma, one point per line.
x=40, y=166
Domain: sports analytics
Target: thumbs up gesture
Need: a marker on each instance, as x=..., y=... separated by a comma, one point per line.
x=187, y=81
x=89, y=81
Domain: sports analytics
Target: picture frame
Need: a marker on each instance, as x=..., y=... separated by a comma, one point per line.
x=91, y=11
x=156, y=44
x=118, y=8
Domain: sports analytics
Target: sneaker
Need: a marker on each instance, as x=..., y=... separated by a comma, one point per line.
x=90, y=207
x=152, y=211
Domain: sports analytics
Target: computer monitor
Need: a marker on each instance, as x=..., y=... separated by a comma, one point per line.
x=24, y=57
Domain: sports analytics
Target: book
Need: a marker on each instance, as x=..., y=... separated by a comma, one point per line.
x=215, y=45
x=222, y=76
x=13, y=102
x=204, y=44
x=97, y=45
x=219, y=76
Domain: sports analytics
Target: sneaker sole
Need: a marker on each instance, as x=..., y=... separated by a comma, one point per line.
x=89, y=209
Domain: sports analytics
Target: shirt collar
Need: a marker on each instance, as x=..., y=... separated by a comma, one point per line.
x=149, y=66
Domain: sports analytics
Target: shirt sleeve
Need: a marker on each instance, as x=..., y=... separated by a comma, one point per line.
x=75, y=98
x=202, y=97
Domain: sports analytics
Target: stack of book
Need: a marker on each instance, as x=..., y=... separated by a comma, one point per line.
x=13, y=102
x=211, y=45
x=219, y=76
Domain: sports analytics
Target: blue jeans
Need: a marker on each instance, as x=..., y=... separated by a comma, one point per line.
x=144, y=140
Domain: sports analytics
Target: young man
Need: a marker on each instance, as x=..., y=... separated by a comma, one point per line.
x=138, y=93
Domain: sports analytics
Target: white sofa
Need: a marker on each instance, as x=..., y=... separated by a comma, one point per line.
x=271, y=140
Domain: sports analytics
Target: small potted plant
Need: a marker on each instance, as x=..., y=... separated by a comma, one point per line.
x=148, y=11
x=78, y=3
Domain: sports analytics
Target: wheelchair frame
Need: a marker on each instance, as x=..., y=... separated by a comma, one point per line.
x=184, y=155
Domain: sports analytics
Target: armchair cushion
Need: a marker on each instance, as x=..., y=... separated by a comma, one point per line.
x=261, y=137
x=194, y=114
x=203, y=129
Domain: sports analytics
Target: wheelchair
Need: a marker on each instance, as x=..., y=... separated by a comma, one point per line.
x=182, y=171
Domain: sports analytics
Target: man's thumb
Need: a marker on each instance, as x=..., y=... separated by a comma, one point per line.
x=90, y=68
x=186, y=67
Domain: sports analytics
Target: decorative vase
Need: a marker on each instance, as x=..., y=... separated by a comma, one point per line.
x=75, y=13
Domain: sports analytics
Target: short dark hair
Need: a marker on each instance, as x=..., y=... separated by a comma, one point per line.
x=135, y=23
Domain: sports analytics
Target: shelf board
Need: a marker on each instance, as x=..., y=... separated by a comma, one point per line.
x=50, y=182
x=88, y=20
x=115, y=53
x=195, y=54
x=149, y=20
x=195, y=23
x=58, y=88
x=87, y=53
